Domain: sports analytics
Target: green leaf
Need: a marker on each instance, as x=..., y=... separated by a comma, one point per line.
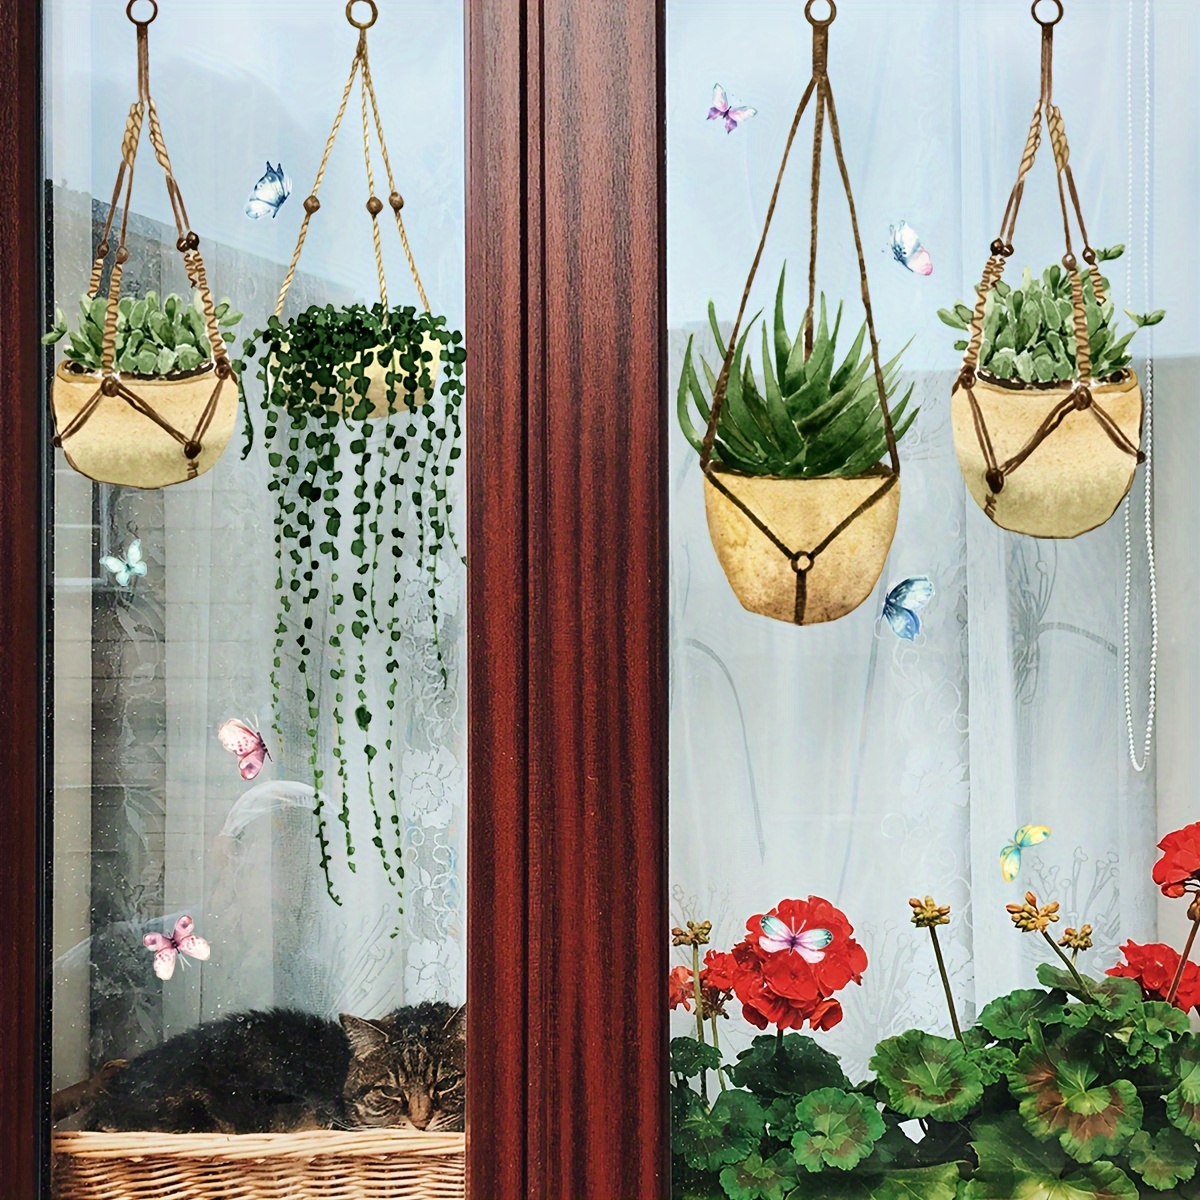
x=362, y=714
x=1152, y=1027
x=994, y=1062
x=754, y=1179
x=1014, y=1166
x=1163, y=1160
x=953, y=317
x=690, y=1057
x=928, y=1076
x=1113, y=994
x=1008, y=1017
x=1023, y=365
x=164, y=364
x=918, y=1183
x=730, y=1133
x=1110, y=253
x=1063, y=1095
x=835, y=1129
x=789, y=1068
x=1183, y=1101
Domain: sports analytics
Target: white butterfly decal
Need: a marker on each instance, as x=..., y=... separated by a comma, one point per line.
x=722, y=110
x=907, y=249
x=125, y=569
x=269, y=193
x=778, y=937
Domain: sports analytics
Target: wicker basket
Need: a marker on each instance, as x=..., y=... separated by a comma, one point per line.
x=386, y=1164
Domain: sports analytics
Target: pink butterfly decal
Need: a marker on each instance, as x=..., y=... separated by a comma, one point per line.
x=238, y=738
x=723, y=110
x=166, y=949
x=777, y=937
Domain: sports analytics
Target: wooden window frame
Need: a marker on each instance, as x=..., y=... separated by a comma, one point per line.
x=567, y=593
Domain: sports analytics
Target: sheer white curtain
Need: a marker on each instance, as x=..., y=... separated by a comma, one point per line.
x=838, y=760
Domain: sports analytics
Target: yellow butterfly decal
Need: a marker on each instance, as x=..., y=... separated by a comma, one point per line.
x=1010, y=856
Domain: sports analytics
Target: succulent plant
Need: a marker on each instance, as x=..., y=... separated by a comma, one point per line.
x=1029, y=330
x=810, y=420
x=153, y=339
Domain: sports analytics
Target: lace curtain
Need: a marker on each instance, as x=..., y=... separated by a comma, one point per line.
x=838, y=760
x=152, y=817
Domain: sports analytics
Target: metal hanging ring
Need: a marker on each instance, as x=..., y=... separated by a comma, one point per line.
x=129, y=12
x=1047, y=24
x=817, y=22
x=362, y=24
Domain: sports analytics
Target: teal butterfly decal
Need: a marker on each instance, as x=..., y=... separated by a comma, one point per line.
x=126, y=569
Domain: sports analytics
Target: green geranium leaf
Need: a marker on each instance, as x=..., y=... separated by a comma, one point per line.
x=835, y=1129
x=1113, y=994
x=755, y=1179
x=730, y=1133
x=1154, y=1026
x=994, y=1062
x=1008, y=1017
x=928, y=1076
x=793, y=1067
x=917, y=1183
x=687, y=1184
x=690, y=1057
x=1183, y=1102
x=1163, y=1160
x=1062, y=1095
x=1015, y=1166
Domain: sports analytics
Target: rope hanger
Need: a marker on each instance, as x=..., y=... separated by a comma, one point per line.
x=374, y=205
x=1080, y=397
x=802, y=560
x=142, y=111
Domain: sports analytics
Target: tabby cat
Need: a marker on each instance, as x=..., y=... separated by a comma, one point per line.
x=279, y=1071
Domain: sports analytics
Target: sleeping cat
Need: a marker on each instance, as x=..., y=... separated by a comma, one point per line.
x=279, y=1071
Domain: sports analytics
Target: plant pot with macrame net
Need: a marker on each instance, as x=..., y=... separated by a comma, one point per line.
x=147, y=396
x=801, y=509
x=1047, y=411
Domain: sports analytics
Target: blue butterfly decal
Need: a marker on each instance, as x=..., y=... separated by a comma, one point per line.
x=269, y=193
x=1010, y=856
x=126, y=570
x=902, y=603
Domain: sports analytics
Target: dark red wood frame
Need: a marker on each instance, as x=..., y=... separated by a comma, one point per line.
x=567, y=585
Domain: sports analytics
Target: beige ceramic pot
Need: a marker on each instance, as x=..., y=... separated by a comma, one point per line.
x=118, y=444
x=802, y=513
x=377, y=386
x=1074, y=480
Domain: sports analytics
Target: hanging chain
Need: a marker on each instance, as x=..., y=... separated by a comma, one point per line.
x=1148, y=391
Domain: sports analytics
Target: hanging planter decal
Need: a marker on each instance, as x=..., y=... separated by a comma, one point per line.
x=362, y=404
x=147, y=396
x=800, y=509
x=1047, y=412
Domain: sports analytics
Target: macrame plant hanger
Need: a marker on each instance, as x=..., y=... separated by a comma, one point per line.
x=1080, y=397
x=152, y=399
x=803, y=558
x=370, y=109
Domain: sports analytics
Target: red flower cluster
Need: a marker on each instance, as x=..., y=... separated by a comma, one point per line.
x=1154, y=967
x=716, y=985
x=1178, y=871
x=784, y=988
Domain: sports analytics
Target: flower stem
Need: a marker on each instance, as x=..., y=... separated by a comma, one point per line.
x=941, y=962
x=1187, y=950
x=779, y=1039
x=1083, y=987
x=717, y=1046
x=699, y=1014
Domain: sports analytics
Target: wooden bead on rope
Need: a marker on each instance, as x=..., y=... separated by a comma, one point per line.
x=396, y=201
x=374, y=206
x=311, y=204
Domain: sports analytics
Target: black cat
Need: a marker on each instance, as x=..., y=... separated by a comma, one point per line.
x=279, y=1071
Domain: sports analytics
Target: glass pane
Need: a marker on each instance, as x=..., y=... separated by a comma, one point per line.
x=259, y=724
x=981, y=681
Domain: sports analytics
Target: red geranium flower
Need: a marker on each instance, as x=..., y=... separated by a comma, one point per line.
x=719, y=971
x=790, y=988
x=679, y=988
x=1178, y=870
x=1154, y=967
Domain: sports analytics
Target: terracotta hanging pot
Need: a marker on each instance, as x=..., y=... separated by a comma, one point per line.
x=1075, y=478
x=801, y=513
x=118, y=443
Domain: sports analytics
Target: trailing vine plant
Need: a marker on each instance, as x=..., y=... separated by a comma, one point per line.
x=363, y=418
